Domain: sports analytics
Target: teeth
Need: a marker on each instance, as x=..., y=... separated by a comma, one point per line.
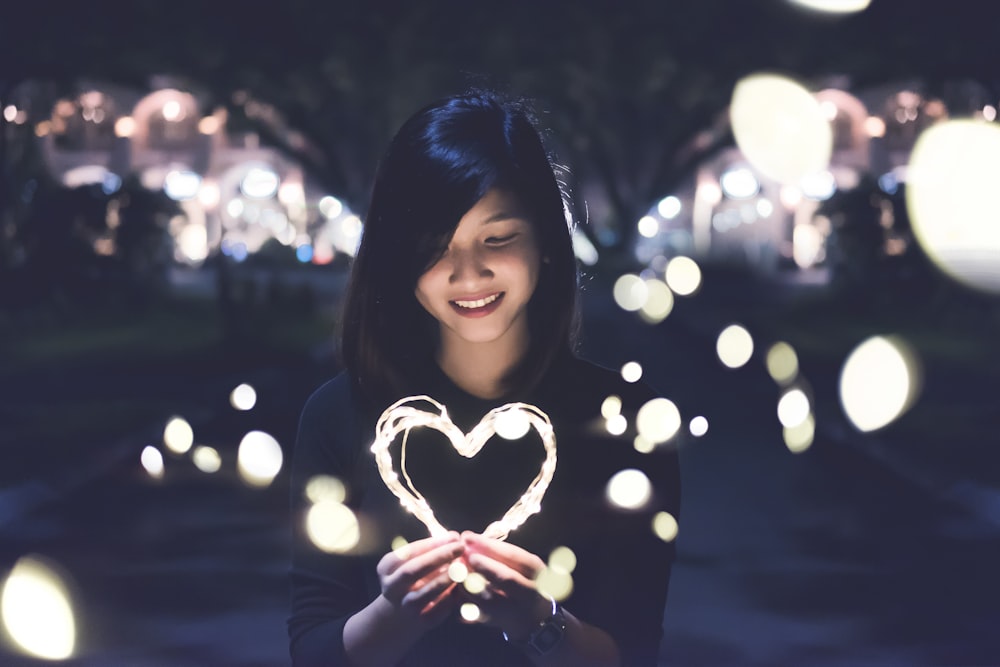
x=479, y=303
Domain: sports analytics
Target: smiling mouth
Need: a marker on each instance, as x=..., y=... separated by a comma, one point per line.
x=478, y=303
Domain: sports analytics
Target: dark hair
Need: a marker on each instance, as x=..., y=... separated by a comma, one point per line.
x=440, y=163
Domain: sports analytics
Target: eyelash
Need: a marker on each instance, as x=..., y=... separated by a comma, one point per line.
x=500, y=240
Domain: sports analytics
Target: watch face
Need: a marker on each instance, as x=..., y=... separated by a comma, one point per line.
x=547, y=637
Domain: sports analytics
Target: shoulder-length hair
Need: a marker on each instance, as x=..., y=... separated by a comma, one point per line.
x=440, y=163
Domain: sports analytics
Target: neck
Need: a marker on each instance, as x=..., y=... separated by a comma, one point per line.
x=480, y=368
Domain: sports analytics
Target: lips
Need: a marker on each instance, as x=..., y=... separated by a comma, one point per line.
x=477, y=307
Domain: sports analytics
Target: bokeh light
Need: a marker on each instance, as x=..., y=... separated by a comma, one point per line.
x=879, y=381
x=152, y=461
x=611, y=406
x=554, y=584
x=665, y=526
x=658, y=420
x=648, y=226
x=683, y=275
x=333, y=527
x=793, y=408
x=630, y=292
x=782, y=362
x=954, y=202
x=631, y=371
x=206, y=459
x=629, y=489
x=259, y=458
x=37, y=610
x=642, y=445
x=669, y=207
x=562, y=559
x=834, y=6
x=616, y=425
x=512, y=424
x=327, y=487
x=799, y=438
x=470, y=612
x=475, y=583
x=458, y=571
x=698, y=426
x=734, y=346
x=659, y=302
x=178, y=435
x=243, y=397
x=780, y=127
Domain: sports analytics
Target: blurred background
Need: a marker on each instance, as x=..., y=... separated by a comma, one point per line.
x=788, y=221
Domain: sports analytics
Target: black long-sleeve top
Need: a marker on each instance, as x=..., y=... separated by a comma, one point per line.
x=623, y=569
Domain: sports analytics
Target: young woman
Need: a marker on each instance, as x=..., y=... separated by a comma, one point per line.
x=464, y=290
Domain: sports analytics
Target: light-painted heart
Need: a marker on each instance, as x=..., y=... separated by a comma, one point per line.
x=510, y=421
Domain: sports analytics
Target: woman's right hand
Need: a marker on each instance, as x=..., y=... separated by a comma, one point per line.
x=415, y=580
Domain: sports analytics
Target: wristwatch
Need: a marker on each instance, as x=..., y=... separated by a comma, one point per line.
x=547, y=636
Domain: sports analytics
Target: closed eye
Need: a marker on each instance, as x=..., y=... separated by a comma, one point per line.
x=500, y=240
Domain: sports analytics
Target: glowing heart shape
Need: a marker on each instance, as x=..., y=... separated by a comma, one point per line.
x=510, y=421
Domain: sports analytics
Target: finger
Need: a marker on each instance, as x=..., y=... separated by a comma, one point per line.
x=413, y=570
x=525, y=562
x=505, y=579
x=392, y=560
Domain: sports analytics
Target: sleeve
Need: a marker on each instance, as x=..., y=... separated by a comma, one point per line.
x=326, y=589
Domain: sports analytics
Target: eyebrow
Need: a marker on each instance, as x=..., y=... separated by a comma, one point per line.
x=503, y=215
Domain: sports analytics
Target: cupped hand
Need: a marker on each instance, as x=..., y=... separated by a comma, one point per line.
x=511, y=600
x=415, y=580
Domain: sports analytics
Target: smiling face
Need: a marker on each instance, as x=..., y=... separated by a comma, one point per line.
x=479, y=289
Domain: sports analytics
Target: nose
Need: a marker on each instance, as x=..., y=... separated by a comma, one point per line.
x=468, y=266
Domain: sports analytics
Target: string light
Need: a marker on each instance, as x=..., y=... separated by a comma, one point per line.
x=402, y=416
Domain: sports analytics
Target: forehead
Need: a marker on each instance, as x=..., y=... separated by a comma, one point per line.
x=495, y=205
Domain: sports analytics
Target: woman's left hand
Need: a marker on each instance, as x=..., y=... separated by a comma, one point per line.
x=511, y=600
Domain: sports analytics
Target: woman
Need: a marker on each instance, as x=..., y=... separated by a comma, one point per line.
x=464, y=289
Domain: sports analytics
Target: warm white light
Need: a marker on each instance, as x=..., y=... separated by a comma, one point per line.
x=125, y=126
x=669, y=207
x=819, y=185
x=326, y=487
x=780, y=127
x=152, y=461
x=808, y=245
x=630, y=292
x=172, y=111
x=475, y=583
x=554, y=584
x=954, y=202
x=562, y=559
x=658, y=420
x=178, y=435
x=235, y=208
x=616, y=425
x=799, y=438
x=10, y=113
x=209, y=125
x=243, y=397
x=648, y=226
x=181, y=185
x=878, y=383
x=209, y=194
x=874, y=126
x=37, y=610
x=739, y=183
x=629, y=489
x=192, y=242
x=698, y=426
x=470, y=612
x=793, y=408
x=834, y=6
x=259, y=458
x=259, y=183
x=631, y=371
x=989, y=112
x=611, y=407
x=665, y=526
x=782, y=362
x=330, y=207
x=332, y=526
x=683, y=275
x=734, y=346
x=458, y=571
x=206, y=459
x=402, y=416
x=512, y=424
x=659, y=301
